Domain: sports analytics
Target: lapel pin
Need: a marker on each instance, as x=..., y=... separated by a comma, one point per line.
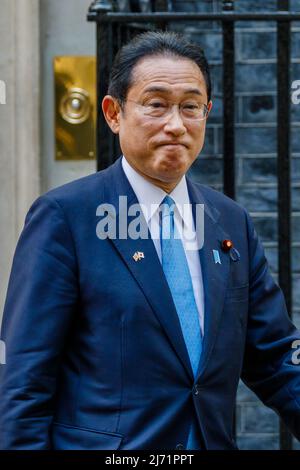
x=226, y=245
x=138, y=255
x=234, y=254
x=216, y=257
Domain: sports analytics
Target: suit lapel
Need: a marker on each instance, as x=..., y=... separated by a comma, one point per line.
x=215, y=275
x=148, y=271
x=149, y=275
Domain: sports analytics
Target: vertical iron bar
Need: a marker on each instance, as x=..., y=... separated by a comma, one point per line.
x=161, y=5
x=103, y=137
x=229, y=115
x=228, y=106
x=119, y=37
x=134, y=6
x=107, y=43
x=113, y=49
x=283, y=172
x=100, y=8
x=110, y=48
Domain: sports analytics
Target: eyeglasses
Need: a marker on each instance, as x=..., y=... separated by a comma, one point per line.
x=158, y=108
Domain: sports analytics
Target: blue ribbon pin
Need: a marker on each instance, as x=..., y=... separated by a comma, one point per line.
x=216, y=257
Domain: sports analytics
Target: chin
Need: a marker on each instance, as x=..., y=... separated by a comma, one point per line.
x=175, y=167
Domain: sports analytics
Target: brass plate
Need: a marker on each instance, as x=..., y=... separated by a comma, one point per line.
x=75, y=107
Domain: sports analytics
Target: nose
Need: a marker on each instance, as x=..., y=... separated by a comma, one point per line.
x=174, y=123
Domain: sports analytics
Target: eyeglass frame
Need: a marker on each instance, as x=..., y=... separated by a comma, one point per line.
x=170, y=106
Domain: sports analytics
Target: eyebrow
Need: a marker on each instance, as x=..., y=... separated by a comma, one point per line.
x=161, y=89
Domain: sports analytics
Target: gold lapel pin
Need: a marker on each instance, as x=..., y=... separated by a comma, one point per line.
x=138, y=255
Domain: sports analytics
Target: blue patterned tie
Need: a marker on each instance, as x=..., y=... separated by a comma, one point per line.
x=178, y=276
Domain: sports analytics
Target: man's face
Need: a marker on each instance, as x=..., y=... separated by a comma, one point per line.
x=161, y=149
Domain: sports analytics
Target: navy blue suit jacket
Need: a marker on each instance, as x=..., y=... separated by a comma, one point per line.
x=95, y=358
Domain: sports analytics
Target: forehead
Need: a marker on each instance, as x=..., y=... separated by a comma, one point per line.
x=173, y=74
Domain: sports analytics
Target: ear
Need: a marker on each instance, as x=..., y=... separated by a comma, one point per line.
x=209, y=106
x=111, y=110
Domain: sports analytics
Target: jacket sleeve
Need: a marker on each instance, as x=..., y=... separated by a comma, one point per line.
x=41, y=298
x=270, y=366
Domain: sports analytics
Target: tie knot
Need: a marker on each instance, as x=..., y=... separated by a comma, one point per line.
x=167, y=206
x=168, y=200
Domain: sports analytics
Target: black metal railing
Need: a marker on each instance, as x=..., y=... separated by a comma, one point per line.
x=114, y=28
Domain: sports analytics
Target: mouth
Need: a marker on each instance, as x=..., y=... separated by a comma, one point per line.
x=172, y=144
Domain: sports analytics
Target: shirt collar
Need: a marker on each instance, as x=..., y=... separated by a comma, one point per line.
x=150, y=196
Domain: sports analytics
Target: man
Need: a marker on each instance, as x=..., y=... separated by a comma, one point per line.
x=115, y=341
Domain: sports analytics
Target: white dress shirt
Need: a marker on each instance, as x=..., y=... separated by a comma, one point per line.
x=150, y=197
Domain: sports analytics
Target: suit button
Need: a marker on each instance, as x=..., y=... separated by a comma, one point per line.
x=196, y=389
x=179, y=447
